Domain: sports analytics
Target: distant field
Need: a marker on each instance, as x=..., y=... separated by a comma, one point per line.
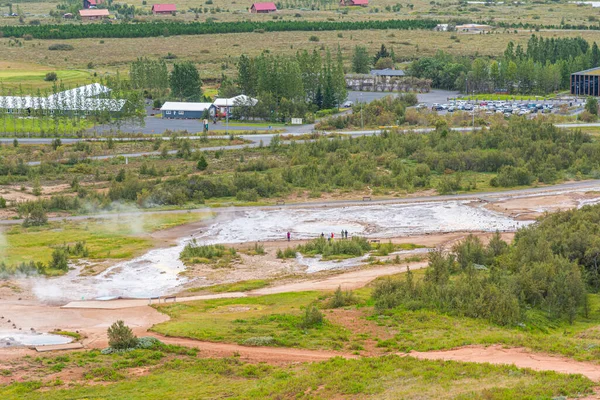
x=216, y=54
x=225, y=10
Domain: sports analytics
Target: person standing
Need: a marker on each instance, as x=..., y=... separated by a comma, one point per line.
x=289, y=236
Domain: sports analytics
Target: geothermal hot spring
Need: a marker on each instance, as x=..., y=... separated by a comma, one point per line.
x=157, y=272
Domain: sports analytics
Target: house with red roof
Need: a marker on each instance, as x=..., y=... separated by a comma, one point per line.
x=164, y=9
x=91, y=14
x=361, y=3
x=92, y=3
x=263, y=8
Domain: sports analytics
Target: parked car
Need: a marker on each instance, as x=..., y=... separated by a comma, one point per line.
x=348, y=104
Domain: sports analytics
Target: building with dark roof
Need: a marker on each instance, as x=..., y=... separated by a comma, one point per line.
x=586, y=83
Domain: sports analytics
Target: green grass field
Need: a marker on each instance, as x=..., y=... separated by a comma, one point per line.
x=392, y=377
x=119, y=237
x=29, y=77
x=239, y=320
x=17, y=126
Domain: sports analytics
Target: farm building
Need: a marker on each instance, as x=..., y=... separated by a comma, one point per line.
x=92, y=3
x=586, y=83
x=82, y=100
x=183, y=110
x=387, y=72
x=361, y=3
x=158, y=9
x=224, y=106
x=262, y=8
x=92, y=14
x=473, y=28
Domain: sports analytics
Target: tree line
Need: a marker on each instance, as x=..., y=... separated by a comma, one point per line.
x=524, y=283
x=287, y=87
x=163, y=28
x=544, y=66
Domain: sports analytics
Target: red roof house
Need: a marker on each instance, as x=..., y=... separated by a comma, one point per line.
x=260, y=8
x=92, y=3
x=362, y=3
x=93, y=14
x=164, y=9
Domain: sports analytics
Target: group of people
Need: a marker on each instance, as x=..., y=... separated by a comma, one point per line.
x=332, y=236
x=329, y=238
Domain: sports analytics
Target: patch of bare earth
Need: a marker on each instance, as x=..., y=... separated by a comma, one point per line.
x=527, y=208
x=519, y=357
x=364, y=332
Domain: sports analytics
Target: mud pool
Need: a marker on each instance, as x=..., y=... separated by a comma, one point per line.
x=157, y=273
x=11, y=339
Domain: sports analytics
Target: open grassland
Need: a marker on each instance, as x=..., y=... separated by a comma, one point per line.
x=116, y=237
x=424, y=330
x=183, y=376
x=30, y=77
x=249, y=320
x=216, y=54
x=275, y=316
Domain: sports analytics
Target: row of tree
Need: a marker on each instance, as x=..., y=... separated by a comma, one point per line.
x=287, y=86
x=542, y=67
x=153, y=77
x=165, y=28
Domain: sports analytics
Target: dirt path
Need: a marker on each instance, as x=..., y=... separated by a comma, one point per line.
x=271, y=355
x=519, y=357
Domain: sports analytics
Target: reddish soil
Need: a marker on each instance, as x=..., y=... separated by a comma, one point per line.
x=519, y=357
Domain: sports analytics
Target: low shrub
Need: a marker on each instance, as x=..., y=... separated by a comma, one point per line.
x=61, y=47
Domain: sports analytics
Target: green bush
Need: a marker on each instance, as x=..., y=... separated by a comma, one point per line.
x=260, y=341
x=356, y=246
x=121, y=337
x=60, y=259
x=342, y=298
x=312, y=317
x=209, y=252
x=202, y=163
x=61, y=46
x=287, y=253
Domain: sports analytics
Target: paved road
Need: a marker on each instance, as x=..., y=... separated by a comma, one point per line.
x=255, y=141
x=483, y=196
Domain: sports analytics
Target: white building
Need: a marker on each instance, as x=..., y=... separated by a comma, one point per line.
x=84, y=99
x=224, y=106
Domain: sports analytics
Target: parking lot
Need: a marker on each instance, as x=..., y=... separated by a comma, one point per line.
x=507, y=108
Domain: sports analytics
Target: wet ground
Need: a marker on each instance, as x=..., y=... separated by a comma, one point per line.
x=12, y=339
x=158, y=272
